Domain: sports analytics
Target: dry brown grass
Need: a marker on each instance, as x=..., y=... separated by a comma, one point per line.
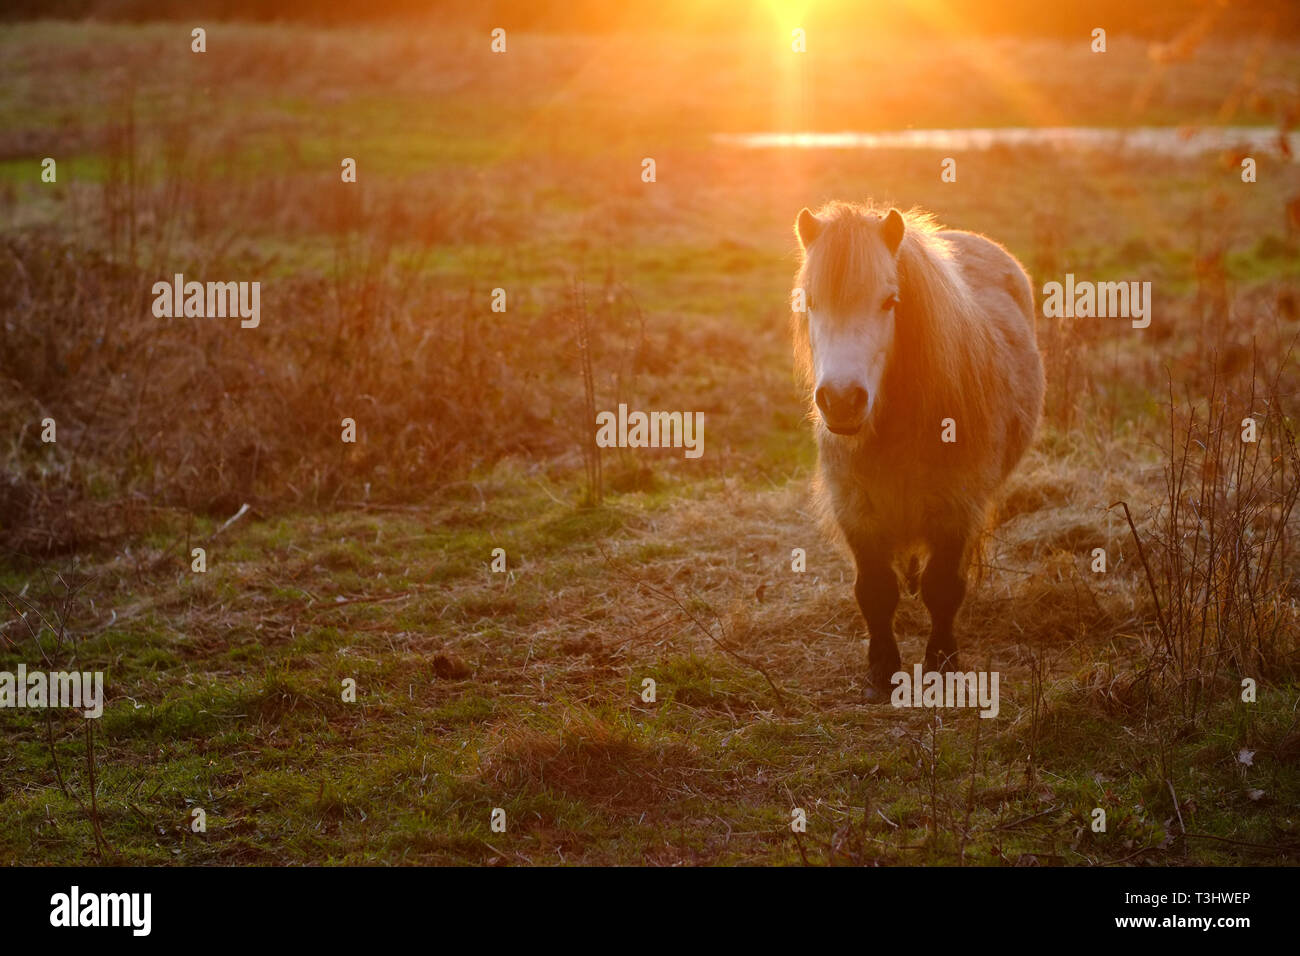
x=588, y=758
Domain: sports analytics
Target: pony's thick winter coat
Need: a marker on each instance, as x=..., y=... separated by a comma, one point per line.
x=934, y=335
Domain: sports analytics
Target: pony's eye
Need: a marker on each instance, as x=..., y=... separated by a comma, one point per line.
x=889, y=303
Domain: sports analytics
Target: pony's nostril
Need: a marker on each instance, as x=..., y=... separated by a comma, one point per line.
x=841, y=403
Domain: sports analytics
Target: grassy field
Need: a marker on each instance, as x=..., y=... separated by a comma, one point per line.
x=523, y=690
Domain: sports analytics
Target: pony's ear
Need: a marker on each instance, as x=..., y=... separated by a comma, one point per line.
x=892, y=230
x=807, y=227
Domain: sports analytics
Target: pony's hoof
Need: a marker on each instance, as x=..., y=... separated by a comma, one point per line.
x=879, y=686
x=876, y=695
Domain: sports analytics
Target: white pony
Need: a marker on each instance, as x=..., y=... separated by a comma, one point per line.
x=925, y=385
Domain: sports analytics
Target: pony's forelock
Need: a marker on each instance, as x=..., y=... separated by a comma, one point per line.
x=848, y=252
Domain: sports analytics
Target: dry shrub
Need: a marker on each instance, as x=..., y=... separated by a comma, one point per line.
x=1219, y=550
x=202, y=415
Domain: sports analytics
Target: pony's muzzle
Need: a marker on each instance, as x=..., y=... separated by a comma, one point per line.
x=843, y=407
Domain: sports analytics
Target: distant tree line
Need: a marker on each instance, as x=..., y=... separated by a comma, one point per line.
x=1028, y=17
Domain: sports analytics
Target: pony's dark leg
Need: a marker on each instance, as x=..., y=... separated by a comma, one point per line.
x=876, y=588
x=943, y=588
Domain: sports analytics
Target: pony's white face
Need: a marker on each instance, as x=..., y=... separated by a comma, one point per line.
x=849, y=354
x=851, y=294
